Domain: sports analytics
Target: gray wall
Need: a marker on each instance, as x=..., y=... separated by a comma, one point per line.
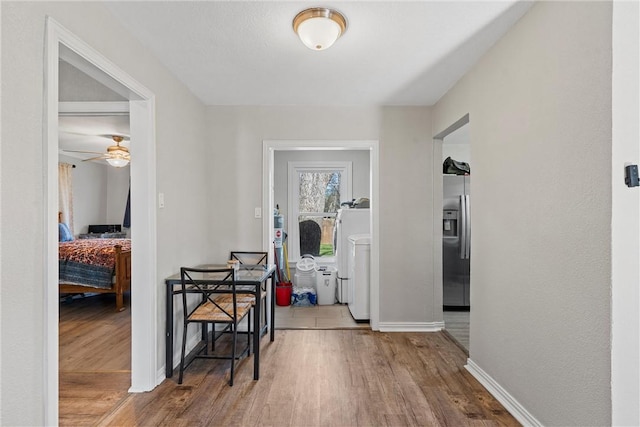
x=406, y=213
x=182, y=174
x=360, y=172
x=539, y=104
x=74, y=85
x=457, y=145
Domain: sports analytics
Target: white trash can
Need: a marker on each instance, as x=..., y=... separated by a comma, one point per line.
x=326, y=282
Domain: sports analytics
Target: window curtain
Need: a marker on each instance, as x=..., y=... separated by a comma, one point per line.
x=65, y=193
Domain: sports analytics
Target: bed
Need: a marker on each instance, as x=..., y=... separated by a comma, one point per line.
x=95, y=266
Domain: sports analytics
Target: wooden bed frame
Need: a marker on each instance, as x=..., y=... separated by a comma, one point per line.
x=119, y=287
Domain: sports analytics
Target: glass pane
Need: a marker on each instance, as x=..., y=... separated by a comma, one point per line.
x=319, y=191
x=316, y=235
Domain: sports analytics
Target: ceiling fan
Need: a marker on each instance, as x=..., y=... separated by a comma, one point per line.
x=116, y=155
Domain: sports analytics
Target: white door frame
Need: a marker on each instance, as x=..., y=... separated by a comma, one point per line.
x=144, y=306
x=269, y=147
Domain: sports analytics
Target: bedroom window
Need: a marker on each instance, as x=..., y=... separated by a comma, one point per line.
x=315, y=192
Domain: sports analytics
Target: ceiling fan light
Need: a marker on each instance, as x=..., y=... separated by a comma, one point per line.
x=117, y=152
x=319, y=28
x=117, y=162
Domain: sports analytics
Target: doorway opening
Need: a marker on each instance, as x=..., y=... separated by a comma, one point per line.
x=269, y=197
x=454, y=229
x=62, y=44
x=94, y=336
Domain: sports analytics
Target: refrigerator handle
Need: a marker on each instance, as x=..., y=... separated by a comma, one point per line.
x=467, y=233
x=462, y=230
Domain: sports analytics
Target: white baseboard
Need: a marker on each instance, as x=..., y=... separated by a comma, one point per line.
x=410, y=326
x=509, y=402
x=161, y=375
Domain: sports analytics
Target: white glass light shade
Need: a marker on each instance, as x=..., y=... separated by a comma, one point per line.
x=117, y=162
x=318, y=33
x=319, y=28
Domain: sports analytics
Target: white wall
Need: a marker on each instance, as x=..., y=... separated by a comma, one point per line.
x=182, y=157
x=539, y=104
x=541, y=283
x=457, y=145
x=99, y=193
x=458, y=152
x=406, y=214
x=89, y=181
x=625, y=317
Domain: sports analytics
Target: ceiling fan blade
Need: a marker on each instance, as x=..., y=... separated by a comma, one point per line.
x=68, y=132
x=96, y=158
x=108, y=136
x=86, y=152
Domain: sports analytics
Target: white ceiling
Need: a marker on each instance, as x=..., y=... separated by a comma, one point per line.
x=90, y=133
x=246, y=53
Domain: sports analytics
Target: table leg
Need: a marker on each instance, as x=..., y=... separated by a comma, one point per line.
x=256, y=335
x=169, y=333
x=272, y=325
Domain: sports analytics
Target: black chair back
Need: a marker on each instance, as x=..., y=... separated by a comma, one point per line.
x=207, y=283
x=249, y=257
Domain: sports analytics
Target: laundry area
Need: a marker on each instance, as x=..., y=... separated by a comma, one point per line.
x=320, y=292
x=321, y=197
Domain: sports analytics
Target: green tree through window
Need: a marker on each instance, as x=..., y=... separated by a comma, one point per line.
x=319, y=201
x=316, y=190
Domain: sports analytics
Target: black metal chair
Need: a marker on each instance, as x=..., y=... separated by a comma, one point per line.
x=247, y=259
x=218, y=302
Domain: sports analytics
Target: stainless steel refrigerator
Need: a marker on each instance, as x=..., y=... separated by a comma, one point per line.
x=456, y=248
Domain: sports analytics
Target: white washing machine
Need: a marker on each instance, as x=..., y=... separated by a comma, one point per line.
x=359, y=276
x=348, y=222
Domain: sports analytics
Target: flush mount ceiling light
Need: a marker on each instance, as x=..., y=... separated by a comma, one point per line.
x=319, y=27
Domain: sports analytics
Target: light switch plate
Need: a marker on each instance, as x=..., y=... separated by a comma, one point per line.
x=257, y=212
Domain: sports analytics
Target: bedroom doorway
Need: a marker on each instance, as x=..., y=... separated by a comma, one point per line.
x=63, y=45
x=94, y=337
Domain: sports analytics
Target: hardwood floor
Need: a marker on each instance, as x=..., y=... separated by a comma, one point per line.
x=94, y=359
x=326, y=377
x=336, y=316
x=456, y=323
x=346, y=377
